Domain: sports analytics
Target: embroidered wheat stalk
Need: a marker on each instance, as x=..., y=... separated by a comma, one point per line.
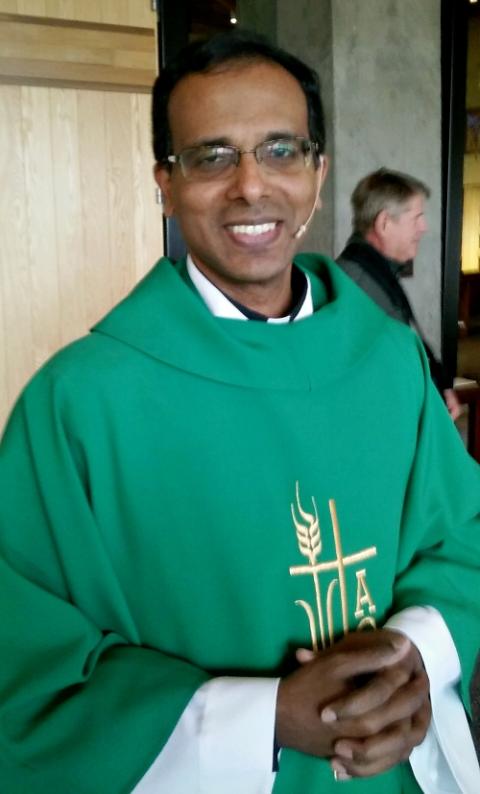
x=310, y=545
x=308, y=534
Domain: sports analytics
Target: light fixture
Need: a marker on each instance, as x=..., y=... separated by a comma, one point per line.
x=234, y=20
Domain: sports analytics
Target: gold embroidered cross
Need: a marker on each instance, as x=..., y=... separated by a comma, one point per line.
x=307, y=527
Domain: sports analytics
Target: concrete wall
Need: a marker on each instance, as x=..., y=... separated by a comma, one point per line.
x=379, y=62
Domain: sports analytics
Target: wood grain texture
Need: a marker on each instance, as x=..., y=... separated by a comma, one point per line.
x=67, y=196
x=80, y=224
x=471, y=230
x=136, y=13
x=120, y=183
x=33, y=7
x=45, y=52
x=147, y=213
x=41, y=223
x=16, y=340
x=471, y=170
x=117, y=11
x=62, y=9
x=96, y=221
x=4, y=334
x=8, y=6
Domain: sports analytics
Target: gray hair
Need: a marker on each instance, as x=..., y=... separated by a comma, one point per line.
x=383, y=190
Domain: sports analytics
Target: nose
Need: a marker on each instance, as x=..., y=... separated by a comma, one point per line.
x=248, y=180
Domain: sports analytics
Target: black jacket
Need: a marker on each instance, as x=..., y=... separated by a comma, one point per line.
x=378, y=276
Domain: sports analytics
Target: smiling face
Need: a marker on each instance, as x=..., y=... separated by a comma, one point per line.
x=403, y=232
x=239, y=228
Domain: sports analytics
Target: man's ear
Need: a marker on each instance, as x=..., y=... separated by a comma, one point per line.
x=380, y=224
x=322, y=171
x=323, y=168
x=163, y=177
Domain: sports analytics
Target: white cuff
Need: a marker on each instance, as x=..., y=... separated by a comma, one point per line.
x=446, y=761
x=237, y=732
x=222, y=742
x=428, y=631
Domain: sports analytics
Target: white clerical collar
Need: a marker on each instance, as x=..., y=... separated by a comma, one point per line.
x=221, y=306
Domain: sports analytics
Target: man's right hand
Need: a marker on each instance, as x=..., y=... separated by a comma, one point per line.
x=344, y=674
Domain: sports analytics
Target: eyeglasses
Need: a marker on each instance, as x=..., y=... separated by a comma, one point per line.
x=217, y=161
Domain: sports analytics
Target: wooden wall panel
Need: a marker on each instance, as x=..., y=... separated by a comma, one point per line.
x=4, y=334
x=41, y=223
x=32, y=7
x=120, y=188
x=67, y=197
x=471, y=230
x=137, y=13
x=148, y=214
x=98, y=272
x=471, y=170
x=87, y=11
x=80, y=224
x=116, y=11
x=53, y=52
x=16, y=342
x=61, y=9
x=140, y=13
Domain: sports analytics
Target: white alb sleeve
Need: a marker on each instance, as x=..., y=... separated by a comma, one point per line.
x=222, y=742
x=445, y=762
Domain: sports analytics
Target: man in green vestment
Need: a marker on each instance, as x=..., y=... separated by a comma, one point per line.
x=231, y=563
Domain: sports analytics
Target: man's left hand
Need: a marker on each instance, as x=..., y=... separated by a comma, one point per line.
x=453, y=404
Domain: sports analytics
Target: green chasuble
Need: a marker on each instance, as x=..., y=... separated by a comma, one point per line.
x=183, y=496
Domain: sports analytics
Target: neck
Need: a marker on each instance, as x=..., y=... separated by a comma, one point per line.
x=375, y=241
x=271, y=297
x=268, y=304
x=379, y=244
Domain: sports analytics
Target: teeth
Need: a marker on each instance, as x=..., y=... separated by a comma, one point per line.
x=259, y=228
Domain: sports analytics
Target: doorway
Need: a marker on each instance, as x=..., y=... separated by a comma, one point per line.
x=468, y=351
x=461, y=208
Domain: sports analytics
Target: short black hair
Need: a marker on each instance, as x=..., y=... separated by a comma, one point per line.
x=232, y=46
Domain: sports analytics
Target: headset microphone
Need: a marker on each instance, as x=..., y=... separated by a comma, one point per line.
x=304, y=226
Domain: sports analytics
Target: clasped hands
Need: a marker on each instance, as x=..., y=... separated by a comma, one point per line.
x=363, y=703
